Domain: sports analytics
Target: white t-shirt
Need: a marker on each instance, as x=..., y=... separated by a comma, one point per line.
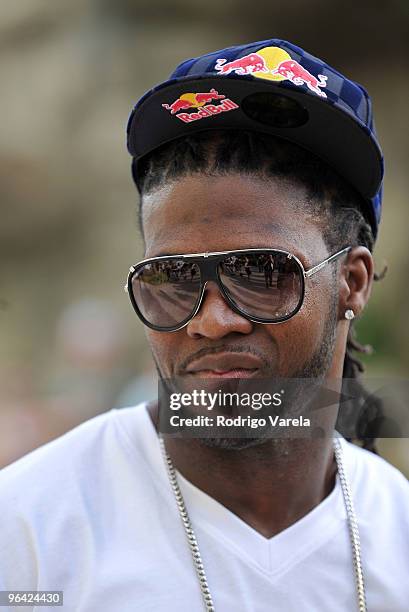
x=92, y=513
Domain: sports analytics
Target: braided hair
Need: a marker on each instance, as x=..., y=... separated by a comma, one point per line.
x=331, y=201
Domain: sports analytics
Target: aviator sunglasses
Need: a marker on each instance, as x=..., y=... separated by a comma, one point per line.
x=262, y=285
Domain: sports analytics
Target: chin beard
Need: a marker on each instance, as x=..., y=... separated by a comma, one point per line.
x=316, y=368
x=233, y=443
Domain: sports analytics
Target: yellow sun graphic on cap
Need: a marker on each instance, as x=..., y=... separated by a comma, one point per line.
x=272, y=56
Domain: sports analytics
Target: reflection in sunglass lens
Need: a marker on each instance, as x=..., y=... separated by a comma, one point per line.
x=166, y=291
x=263, y=285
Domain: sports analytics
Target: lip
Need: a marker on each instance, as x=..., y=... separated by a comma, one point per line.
x=226, y=365
x=227, y=374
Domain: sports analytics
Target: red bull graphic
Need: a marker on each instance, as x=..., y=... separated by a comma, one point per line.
x=193, y=100
x=244, y=65
x=202, y=102
x=273, y=64
x=294, y=72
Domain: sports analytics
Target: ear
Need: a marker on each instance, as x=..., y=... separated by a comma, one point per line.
x=356, y=281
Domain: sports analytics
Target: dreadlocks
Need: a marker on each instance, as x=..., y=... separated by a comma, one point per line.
x=334, y=205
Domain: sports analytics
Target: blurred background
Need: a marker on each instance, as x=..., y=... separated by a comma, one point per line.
x=70, y=344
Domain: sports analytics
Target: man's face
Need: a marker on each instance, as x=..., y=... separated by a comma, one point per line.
x=197, y=214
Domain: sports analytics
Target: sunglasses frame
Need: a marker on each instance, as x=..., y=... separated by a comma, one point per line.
x=208, y=268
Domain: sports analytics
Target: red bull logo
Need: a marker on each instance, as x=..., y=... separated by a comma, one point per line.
x=244, y=65
x=193, y=100
x=294, y=72
x=275, y=64
x=202, y=102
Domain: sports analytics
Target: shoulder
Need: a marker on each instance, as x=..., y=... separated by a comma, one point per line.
x=39, y=496
x=380, y=495
x=37, y=467
x=66, y=459
x=54, y=498
x=376, y=484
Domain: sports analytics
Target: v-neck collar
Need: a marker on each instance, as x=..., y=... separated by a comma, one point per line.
x=274, y=555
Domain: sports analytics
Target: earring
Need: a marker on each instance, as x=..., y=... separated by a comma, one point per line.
x=349, y=314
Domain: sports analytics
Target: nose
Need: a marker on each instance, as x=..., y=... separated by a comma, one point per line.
x=215, y=319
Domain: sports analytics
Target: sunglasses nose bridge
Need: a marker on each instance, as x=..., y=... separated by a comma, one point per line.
x=203, y=293
x=208, y=272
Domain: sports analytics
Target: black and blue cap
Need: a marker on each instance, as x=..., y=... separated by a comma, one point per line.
x=272, y=87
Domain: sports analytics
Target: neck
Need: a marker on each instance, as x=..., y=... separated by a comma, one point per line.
x=269, y=486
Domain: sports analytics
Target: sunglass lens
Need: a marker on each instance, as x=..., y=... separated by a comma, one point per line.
x=166, y=291
x=265, y=286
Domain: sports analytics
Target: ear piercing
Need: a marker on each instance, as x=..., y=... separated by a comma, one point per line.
x=349, y=314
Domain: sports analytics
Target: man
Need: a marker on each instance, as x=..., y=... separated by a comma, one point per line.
x=262, y=150
x=268, y=271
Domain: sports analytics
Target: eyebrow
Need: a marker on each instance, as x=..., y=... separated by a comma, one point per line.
x=271, y=227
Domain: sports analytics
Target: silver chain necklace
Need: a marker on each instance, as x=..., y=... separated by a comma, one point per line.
x=194, y=547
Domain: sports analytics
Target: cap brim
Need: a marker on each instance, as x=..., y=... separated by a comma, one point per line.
x=329, y=132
